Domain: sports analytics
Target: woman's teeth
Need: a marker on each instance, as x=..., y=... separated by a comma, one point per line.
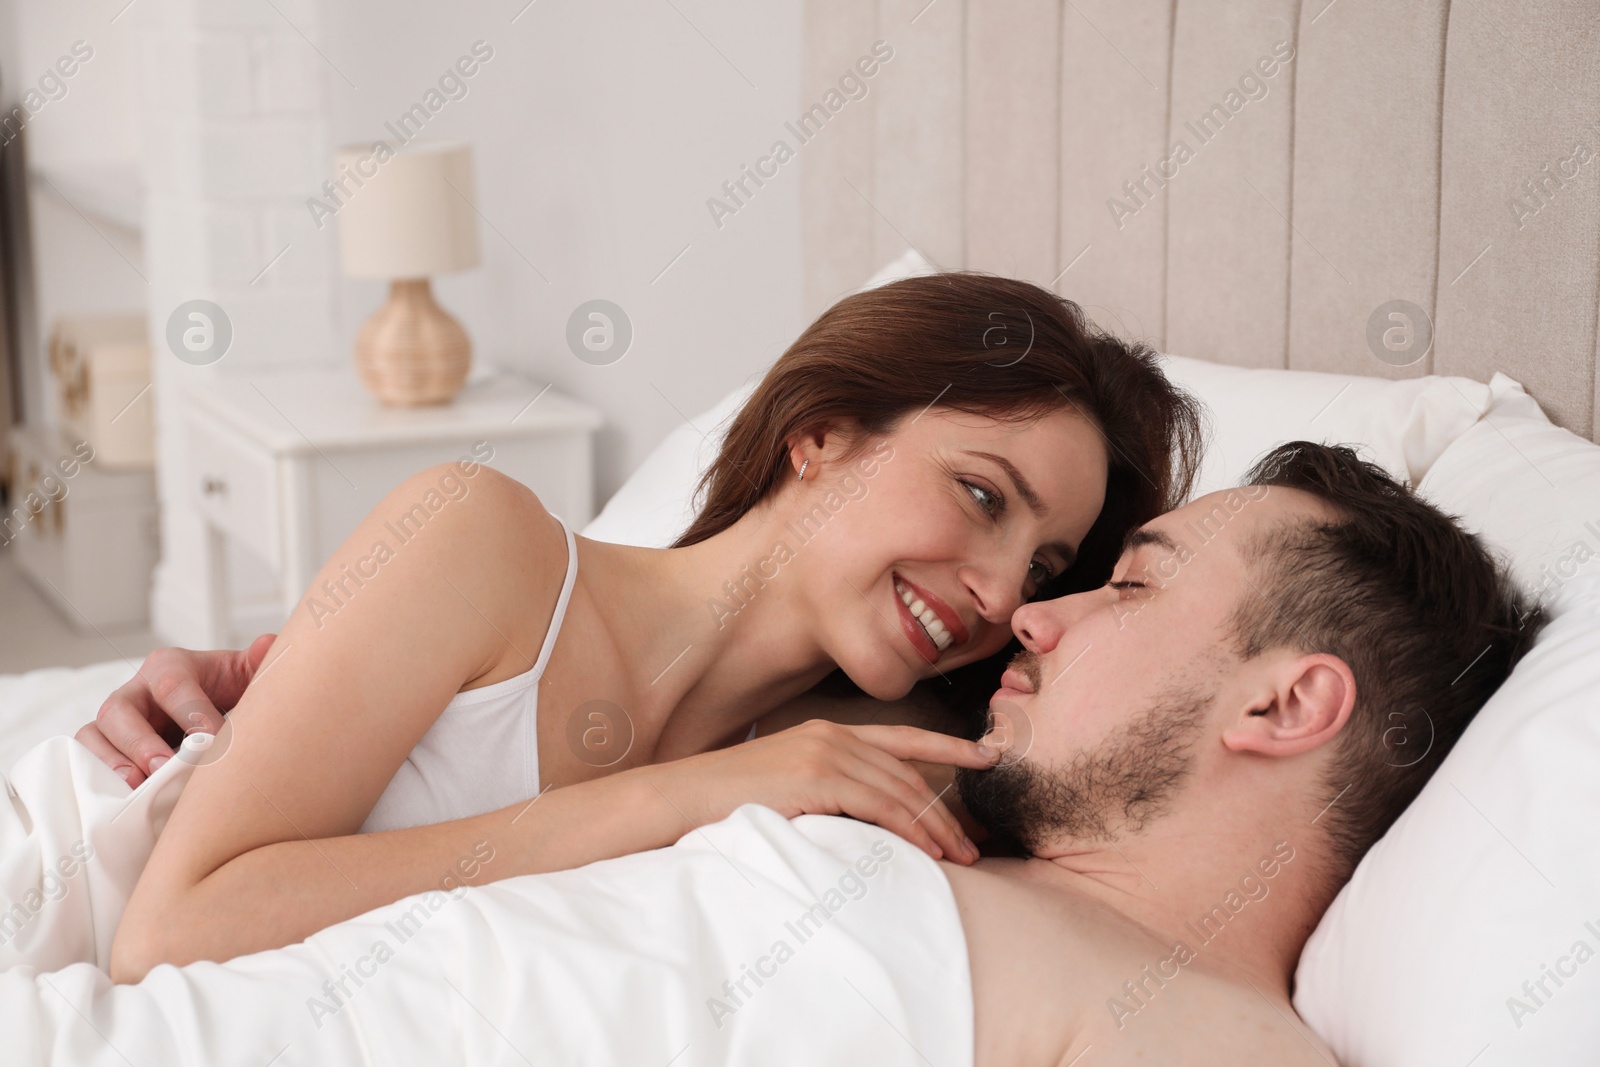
x=937, y=633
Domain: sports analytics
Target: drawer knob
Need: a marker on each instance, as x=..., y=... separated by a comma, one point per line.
x=212, y=486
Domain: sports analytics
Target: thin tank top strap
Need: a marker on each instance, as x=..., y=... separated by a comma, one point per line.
x=561, y=602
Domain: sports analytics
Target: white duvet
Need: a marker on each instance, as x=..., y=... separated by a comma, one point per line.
x=757, y=940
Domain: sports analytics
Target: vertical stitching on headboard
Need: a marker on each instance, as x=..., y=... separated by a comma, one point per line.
x=873, y=152
x=1594, y=377
x=1438, y=220
x=1166, y=207
x=966, y=77
x=1060, y=73
x=1288, y=245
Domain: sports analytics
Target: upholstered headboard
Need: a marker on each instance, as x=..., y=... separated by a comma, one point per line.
x=1270, y=183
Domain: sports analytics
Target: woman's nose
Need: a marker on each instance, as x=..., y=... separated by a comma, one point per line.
x=995, y=598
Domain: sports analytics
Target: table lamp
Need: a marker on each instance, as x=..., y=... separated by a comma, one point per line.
x=407, y=215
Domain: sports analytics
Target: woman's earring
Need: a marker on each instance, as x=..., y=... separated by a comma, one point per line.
x=803, y=467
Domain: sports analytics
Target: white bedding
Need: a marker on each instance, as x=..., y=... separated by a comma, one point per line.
x=619, y=962
x=52, y=701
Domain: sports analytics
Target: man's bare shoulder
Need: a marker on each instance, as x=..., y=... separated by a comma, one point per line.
x=1059, y=979
x=1203, y=1020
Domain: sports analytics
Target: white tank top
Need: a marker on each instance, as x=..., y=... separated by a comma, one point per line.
x=482, y=753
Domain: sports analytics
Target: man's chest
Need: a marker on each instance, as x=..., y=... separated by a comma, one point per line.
x=1053, y=976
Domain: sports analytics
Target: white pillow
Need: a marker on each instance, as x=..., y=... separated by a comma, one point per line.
x=1402, y=425
x=1492, y=874
x=909, y=265
x=656, y=503
x=1529, y=487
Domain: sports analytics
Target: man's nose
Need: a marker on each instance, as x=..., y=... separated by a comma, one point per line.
x=1039, y=625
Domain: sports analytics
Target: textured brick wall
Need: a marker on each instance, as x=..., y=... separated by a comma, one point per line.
x=233, y=104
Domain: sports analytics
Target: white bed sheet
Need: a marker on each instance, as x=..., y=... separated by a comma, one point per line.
x=52, y=701
x=623, y=961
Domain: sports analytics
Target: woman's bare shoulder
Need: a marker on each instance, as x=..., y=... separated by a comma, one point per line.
x=494, y=509
x=473, y=501
x=492, y=544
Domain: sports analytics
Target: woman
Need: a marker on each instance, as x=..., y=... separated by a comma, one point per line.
x=923, y=459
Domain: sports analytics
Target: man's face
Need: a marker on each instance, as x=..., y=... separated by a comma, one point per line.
x=1123, y=691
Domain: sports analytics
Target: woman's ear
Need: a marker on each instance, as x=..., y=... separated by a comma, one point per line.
x=805, y=448
x=819, y=446
x=1303, y=702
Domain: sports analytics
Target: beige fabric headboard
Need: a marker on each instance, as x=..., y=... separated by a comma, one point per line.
x=1444, y=154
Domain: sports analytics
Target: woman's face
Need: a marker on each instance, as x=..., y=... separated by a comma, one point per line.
x=917, y=550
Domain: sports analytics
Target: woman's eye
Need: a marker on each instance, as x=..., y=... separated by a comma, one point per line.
x=987, y=500
x=1039, y=572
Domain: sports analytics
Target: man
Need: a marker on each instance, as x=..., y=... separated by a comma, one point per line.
x=1217, y=738
x=1197, y=755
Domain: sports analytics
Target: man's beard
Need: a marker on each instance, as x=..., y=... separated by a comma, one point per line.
x=1098, y=795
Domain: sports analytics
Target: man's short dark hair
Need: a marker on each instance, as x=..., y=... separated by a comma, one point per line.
x=1428, y=622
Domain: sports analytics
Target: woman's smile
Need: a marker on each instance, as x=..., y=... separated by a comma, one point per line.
x=932, y=625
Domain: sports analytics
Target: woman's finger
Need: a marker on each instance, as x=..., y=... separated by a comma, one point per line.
x=918, y=805
x=126, y=725
x=901, y=781
x=927, y=746
x=891, y=746
x=92, y=739
x=871, y=804
x=880, y=747
x=181, y=695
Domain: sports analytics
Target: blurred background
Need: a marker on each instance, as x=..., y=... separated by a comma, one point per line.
x=260, y=260
x=158, y=152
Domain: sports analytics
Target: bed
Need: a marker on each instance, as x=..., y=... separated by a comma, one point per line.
x=1382, y=228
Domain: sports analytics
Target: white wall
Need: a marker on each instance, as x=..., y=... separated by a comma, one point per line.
x=88, y=128
x=97, y=120
x=600, y=131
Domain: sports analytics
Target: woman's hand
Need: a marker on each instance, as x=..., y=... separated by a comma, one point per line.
x=175, y=692
x=823, y=768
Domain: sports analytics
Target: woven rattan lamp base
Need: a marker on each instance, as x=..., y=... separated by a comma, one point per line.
x=412, y=351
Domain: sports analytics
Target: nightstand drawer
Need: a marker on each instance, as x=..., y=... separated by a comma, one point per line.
x=235, y=489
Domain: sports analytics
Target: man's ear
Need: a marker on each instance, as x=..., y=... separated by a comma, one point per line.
x=1304, y=702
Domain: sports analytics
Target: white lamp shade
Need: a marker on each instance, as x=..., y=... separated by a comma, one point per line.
x=411, y=216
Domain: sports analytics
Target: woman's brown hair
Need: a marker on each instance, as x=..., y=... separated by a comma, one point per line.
x=983, y=345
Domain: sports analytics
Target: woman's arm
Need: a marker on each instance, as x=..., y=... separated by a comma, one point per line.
x=817, y=767
x=449, y=583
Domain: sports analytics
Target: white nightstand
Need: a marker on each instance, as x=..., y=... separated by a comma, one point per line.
x=288, y=463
